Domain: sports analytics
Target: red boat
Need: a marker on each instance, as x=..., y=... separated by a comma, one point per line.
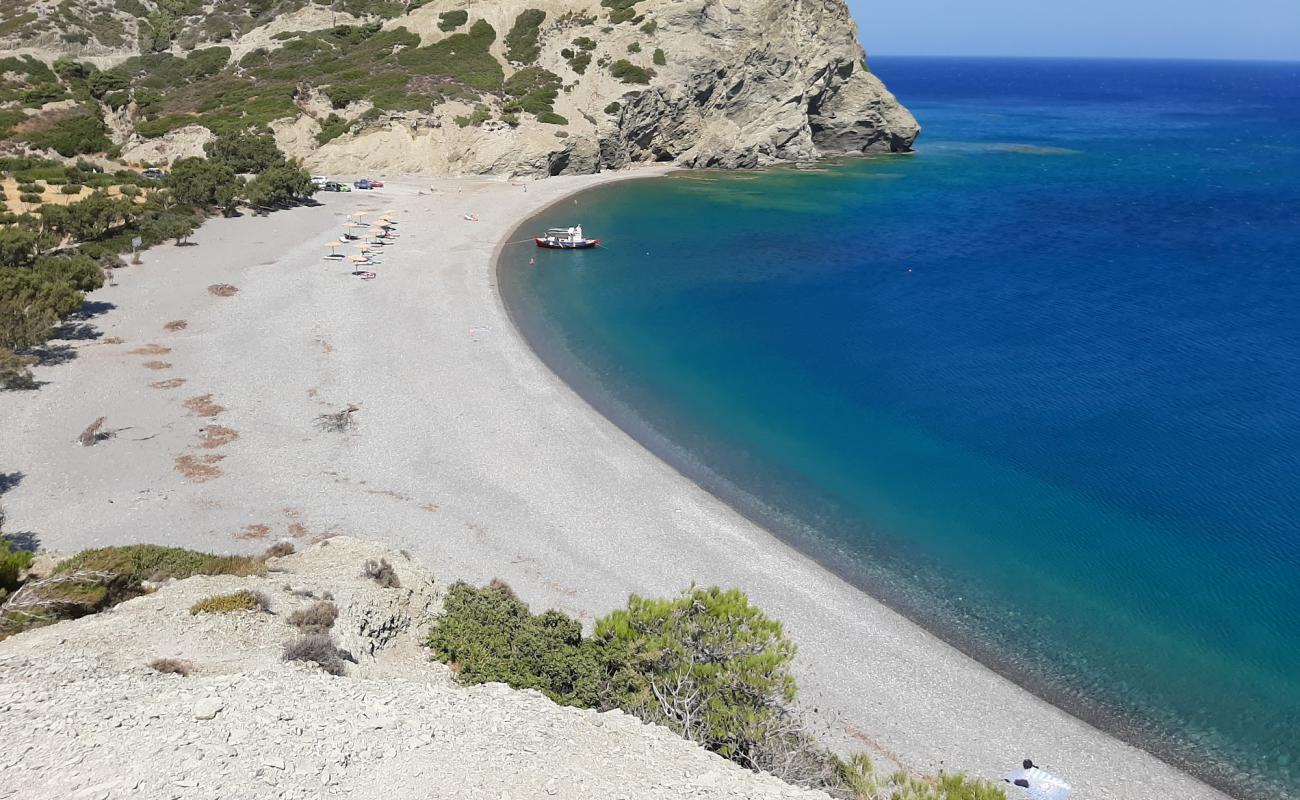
x=565, y=239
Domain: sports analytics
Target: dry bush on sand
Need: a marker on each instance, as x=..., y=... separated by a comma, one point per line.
x=503, y=587
x=382, y=573
x=222, y=289
x=317, y=648
x=170, y=383
x=176, y=325
x=338, y=421
x=199, y=468
x=156, y=365
x=172, y=666
x=151, y=349
x=242, y=600
x=280, y=550
x=94, y=433
x=318, y=617
x=203, y=406
x=216, y=436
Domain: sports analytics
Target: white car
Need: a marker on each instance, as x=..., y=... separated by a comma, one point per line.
x=319, y=180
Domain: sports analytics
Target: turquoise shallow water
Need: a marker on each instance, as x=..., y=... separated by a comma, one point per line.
x=1037, y=386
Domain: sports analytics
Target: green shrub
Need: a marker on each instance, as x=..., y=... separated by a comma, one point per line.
x=12, y=562
x=463, y=57
x=635, y=47
x=579, y=62
x=204, y=183
x=551, y=118
x=332, y=128
x=96, y=579
x=10, y=118
x=532, y=89
x=242, y=600
x=614, y=107
x=488, y=635
x=659, y=58
x=71, y=188
x=627, y=72
x=141, y=562
x=70, y=136
x=153, y=128
x=585, y=43
x=477, y=117
x=650, y=27
x=245, y=152
x=729, y=664
x=280, y=184
x=620, y=10
x=521, y=41
x=451, y=20
x=30, y=199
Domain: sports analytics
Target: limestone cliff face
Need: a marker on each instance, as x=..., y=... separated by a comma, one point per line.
x=742, y=83
x=700, y=83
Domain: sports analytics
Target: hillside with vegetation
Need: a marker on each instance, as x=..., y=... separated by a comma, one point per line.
x=64, y=226
x=443, y=86
x=689, y=696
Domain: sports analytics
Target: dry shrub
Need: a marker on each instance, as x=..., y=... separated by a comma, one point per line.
x=297, y=530
x=242, y=600
x=176, y=325
x=172, y=666
x=156, y=365
x=222, y=290
x=113, y=340
x=93, y=434
x=199, y=468
x=216, y=436
x=503, y=587
x=317, y=648
x=339, y=421
x=255, y=531
x=151, y=349
x=382, y=573
x=170, y=383
x=316, y=618
x=203, y=406
x=280, y=550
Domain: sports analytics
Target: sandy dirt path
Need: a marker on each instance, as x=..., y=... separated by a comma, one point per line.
x=468, y=452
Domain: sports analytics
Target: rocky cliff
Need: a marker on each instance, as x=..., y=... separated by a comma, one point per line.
x=83, y=715
x=531, y=87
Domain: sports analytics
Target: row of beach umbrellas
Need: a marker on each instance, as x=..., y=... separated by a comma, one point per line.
x=363, y=237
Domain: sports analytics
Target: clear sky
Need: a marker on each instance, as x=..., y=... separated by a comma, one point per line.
x=1268, y=29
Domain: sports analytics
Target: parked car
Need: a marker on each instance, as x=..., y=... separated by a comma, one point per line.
x=335, y=186
x=319, y=180
x=154, y=174
x=374, y=184
x=363, y=184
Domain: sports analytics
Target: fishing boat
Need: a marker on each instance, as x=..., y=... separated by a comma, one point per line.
x=565, y=239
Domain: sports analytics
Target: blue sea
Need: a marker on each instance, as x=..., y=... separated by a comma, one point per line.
x=1037, y=386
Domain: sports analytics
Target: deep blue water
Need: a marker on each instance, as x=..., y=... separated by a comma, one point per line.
x=1037, y=386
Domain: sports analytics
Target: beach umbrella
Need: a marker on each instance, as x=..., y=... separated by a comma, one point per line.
x=359, y=259
x=354, y=225
x=333, y=246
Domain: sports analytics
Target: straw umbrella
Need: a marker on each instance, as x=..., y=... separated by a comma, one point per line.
x=333, y=255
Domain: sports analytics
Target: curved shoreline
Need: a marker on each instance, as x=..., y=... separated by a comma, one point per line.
x=470, y=452
x=587, y=387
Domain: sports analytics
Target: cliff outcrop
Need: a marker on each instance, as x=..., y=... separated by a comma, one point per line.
x=85, y=716
x=526, y=87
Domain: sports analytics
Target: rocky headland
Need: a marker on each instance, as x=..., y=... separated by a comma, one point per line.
x=505, y=87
